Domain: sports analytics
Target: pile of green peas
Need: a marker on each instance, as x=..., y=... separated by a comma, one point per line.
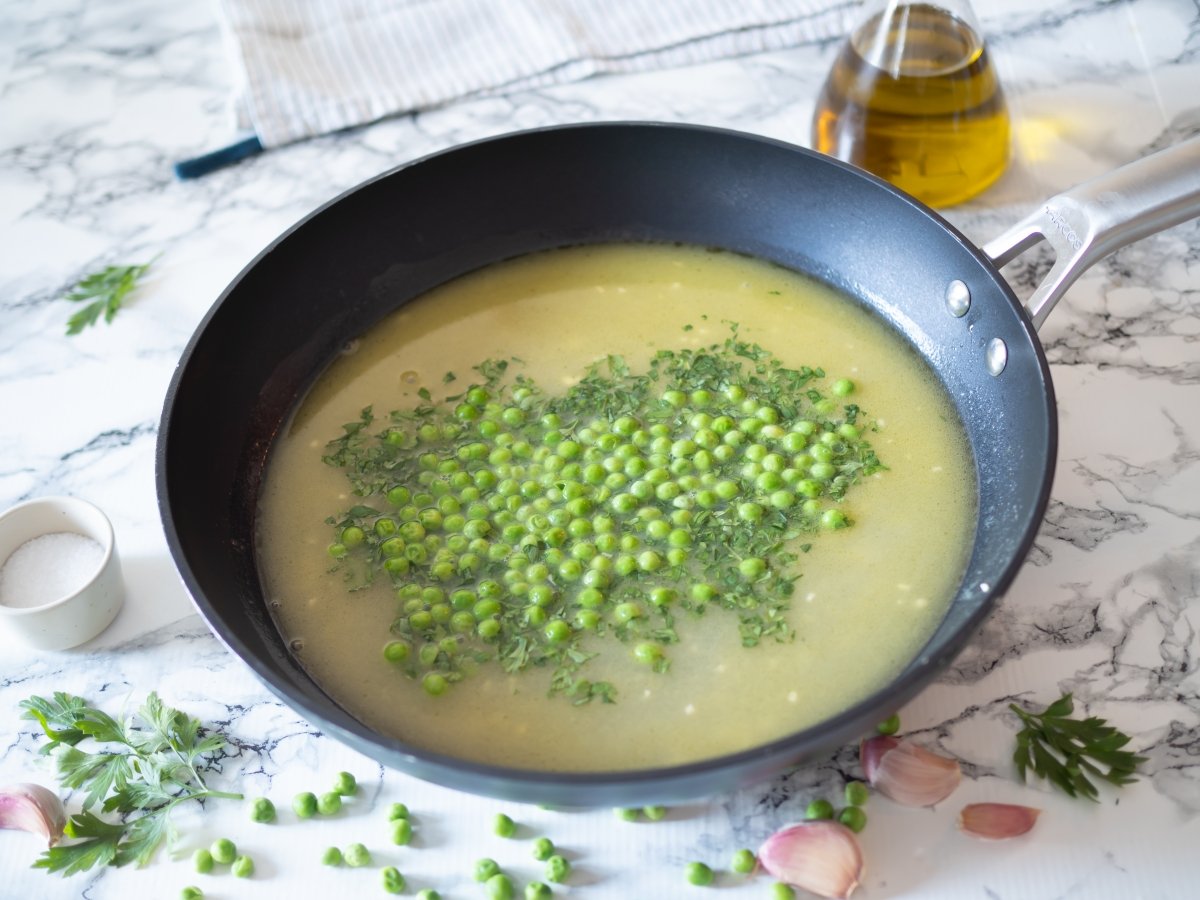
x=512, y=524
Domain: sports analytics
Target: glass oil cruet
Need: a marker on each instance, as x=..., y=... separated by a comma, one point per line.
x=913, y=98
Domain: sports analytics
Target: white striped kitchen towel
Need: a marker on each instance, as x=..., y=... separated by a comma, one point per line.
x=308, y=67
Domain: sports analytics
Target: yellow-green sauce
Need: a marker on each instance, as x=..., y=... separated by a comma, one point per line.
x=867, y=598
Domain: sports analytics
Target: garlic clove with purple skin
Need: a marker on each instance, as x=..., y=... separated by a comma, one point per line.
x=997, y=821
x=871, y=751
x=821, y=856
x=908, y=774
x=33, y=808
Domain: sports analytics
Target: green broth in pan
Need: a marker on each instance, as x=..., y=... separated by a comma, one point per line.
x=865, y=597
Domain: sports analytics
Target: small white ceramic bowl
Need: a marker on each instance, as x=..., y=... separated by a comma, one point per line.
x=68, y=620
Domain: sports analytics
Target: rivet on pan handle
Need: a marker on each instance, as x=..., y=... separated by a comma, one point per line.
x=1093, y=219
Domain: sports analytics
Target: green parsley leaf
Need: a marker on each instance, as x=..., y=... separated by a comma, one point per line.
x=107, y=290
x=1065, y=751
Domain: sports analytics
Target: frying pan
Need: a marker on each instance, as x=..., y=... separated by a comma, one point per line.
x=378, y=246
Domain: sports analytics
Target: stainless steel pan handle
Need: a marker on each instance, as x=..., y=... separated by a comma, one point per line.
x=1095, y=218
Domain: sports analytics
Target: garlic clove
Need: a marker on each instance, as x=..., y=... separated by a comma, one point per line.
x=997, y=821
x=908, y=774
x=820, y=856
x=871, y=751
x=33, y=808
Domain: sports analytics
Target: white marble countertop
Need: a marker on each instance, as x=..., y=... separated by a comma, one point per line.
x=98, y=100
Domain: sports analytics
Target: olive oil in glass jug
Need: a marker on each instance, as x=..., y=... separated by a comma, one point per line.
x=913, y=98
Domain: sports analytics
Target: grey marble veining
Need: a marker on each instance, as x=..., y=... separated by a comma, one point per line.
x=98, y=101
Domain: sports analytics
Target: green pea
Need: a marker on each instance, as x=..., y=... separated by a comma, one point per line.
x=558, y=868
x=853, y=818
x=654, y=813
x=435, y=683
x=305, y=805
x=833, y=518
x=857, y=793
x=332, y=857
x=242, y=867
x=648, y=653
x=357, y=856
x=750, y=512
x=262, y=810
x=663, y=596
x=537, y=890
x=699, y=874
x=499, y=887
x=223, y=850
x=397, y=811
x=485, y=869
x=781, y=891
x=393, y=882
x=543, y=849
x=345, y=784
x=744, y=862
x=822, y=471
x=191, y=893
x=819, y=809
x=402, y=831
x=890, y=725
x=649, y=561
x=202, y=861
x=489, y=629
x=428, y=894
x=752, y=568
x=329, y=803
x=504, y=826
x=556, y=631
x=627, y=612
x=627, y=814
x=843, y=387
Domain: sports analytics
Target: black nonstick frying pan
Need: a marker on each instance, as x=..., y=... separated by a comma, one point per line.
x=378, y=246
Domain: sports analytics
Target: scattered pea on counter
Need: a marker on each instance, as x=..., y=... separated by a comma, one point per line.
x=202, y=861
x=346, y=784
x=499, y=887
x=558, y=868
x=744, y=862
x=262, y=810
x=332, y=857
x=223, y=850
x=485, y=869
x=699, y=874
x=305, y=805
x=504, y=826
x=357, y=856
x=243, y=867
x=393, y=881
x=402, y=831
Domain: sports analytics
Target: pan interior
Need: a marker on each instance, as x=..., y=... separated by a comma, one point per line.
x=381, y=245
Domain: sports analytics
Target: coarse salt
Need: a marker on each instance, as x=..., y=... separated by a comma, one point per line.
x=48, y=568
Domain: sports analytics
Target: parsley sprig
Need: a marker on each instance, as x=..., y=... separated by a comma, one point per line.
x=107, y=290
x=1066, y=751
x=141, y=768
